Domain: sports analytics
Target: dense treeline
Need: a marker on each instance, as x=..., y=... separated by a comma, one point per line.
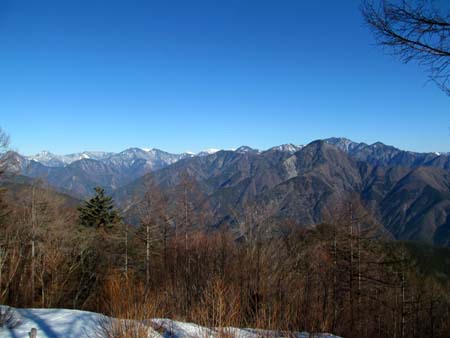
x=338, y=277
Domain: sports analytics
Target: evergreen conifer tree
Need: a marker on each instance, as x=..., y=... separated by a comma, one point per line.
x=99, y=211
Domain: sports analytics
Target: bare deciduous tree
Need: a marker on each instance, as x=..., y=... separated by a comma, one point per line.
x=154, y=227
x=413, y=30
x=4, y=143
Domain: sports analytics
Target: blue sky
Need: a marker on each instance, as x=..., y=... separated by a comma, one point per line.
x=189, y=75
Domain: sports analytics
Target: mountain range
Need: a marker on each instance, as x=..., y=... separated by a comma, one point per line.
x=407, y=193
x=77, y=174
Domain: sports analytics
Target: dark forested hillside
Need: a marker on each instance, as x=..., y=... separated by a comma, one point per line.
x=404, y=192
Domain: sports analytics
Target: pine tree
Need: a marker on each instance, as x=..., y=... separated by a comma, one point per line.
x=99, y=211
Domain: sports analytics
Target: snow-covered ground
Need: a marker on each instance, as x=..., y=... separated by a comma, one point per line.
x=55, y=323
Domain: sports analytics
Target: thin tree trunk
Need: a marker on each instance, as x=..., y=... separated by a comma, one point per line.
x=33, y=239
x=147, y=257
x=126, y=250
x=351, y=268
x=334, y=279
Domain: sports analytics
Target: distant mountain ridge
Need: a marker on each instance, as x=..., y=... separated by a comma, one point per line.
x=151, y=155
x=408, y=193
x=380, y=154
x=377, y=152
x=79, y=173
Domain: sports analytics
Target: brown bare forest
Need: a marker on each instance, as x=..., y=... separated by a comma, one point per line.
x=339, y=277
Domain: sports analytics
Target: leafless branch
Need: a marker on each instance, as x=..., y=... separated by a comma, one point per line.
x=413, y=30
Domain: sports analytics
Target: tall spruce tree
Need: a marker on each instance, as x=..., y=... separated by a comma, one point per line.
x=99, y=211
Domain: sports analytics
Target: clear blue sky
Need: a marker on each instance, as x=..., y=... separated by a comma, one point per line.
x=188, y=75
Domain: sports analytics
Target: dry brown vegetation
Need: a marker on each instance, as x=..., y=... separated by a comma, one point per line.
x=336, y=277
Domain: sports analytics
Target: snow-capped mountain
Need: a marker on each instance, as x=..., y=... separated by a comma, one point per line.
x=344, y=143
x=247, y=149
x=79, y=173
x=207, y=152
x=47, y=158
x=52, y=160
x=288, y=148
x=154, y=158
x=379, y=153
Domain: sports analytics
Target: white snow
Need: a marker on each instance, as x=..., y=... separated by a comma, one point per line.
x=211, y=150
x=51, y=160
x=55, y=323
x=208, y=151
x=288, y=148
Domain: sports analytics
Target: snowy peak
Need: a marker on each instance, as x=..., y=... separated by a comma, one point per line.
x=128, y=155
x=343, y=143
x=93, y=155
x=211, y=150
x=208, y=151
x=132, y=153
x=287, y=148
x=47, y=158
x=153, y=159
x=246, y=149
x=51, y=160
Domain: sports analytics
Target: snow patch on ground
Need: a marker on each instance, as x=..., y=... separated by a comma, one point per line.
x=56, y=323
